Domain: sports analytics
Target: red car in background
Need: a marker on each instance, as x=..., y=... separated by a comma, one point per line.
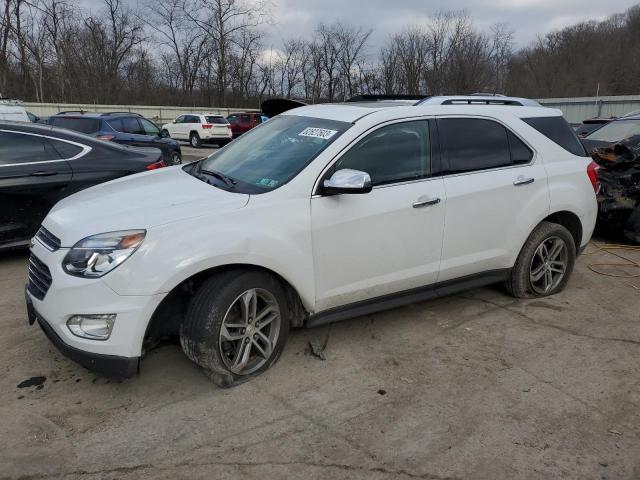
x=243, y=122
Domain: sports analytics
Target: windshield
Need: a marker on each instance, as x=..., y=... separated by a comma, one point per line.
x=271, y=154
x=616, y=131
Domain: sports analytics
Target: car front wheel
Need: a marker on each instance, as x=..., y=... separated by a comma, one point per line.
x=236, y=326
x=545, y=262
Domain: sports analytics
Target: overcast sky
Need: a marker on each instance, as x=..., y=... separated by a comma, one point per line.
x=527, y=17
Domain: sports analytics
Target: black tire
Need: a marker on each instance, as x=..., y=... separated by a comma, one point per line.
x=194, y=140
x=175, y=158
x=165, y=134
x=200, y=334
x=520, y=284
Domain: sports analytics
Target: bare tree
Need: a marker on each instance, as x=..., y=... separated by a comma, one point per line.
x=224, y=21
x=187, y=44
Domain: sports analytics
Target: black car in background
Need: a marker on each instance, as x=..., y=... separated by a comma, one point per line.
x=613, y=132
x=40, y=165
x=120, y=127
x=591, y=125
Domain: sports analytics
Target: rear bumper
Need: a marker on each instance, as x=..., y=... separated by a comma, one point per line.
x=110, y=366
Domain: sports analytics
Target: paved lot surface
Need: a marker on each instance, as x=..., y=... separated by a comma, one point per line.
x=475, y=386
x=190, y=154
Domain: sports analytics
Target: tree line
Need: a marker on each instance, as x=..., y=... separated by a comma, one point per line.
x=213, y=52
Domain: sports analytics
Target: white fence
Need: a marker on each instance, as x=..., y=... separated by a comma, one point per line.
x=575, y=109
x=578, y=109
x=160, y=114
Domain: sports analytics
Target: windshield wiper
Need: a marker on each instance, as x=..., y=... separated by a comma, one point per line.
x=230, y=182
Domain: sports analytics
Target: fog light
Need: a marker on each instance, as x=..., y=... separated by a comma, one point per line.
x=94, y=327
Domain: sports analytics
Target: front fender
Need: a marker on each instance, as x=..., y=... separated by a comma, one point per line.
x=173, y=253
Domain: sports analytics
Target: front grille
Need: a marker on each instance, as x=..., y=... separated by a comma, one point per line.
x=39, y=278
x=48, y=239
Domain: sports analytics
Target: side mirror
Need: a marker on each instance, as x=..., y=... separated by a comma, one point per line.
x=347, y=181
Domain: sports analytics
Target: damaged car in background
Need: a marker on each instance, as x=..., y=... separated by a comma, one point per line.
x=619, y=195
x=615, y=148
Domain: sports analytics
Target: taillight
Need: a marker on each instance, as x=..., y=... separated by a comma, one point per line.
x=592, y=172
x=106, y=137
x=155, y=165
x=229, y=126
x=206, y=125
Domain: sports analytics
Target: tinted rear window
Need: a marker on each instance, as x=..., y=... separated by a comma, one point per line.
x=82, y=125
x=470, y=144
x=558, y=130
x=219, y=120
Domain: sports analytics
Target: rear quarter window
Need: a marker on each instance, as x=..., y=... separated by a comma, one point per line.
x=82, y=125
x=558, y=131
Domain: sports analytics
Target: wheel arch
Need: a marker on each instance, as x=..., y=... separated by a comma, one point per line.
x=169, y=314
x=571, y=222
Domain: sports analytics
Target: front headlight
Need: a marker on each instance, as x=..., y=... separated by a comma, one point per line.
x=94, y=256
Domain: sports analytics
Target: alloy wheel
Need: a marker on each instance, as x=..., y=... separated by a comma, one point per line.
x=249, y=331
x=548, y=265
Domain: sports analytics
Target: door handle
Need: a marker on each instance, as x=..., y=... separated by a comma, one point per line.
x=426, y=203
x=523, y=181
x=43, y=174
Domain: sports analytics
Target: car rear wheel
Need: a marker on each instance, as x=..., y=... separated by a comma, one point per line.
x=545, y=262
x=236, y=326
x=176, y=158
x=194, y=140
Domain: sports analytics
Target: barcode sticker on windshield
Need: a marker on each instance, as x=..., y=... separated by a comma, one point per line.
x=323, y=133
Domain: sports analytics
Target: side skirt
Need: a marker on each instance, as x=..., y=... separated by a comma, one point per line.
x=407, y=297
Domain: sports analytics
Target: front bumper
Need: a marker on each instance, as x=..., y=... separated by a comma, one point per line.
x=68, y=296
x=111, y=366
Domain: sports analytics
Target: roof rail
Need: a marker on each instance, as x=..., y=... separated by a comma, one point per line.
x=480, y=101
x=120, y=113
x=71, y=111
x=377, y=98
x=479, y=94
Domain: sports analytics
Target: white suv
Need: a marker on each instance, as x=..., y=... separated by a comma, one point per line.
x=199, y=128
x=324, y=212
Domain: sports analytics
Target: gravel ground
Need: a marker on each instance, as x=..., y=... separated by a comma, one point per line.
x=473, y=386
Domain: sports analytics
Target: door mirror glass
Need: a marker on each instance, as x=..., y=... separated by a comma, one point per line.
x=347, y=181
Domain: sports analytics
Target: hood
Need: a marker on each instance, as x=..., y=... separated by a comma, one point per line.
x=145, y=200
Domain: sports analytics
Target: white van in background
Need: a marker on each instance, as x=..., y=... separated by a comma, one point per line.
x=15, y=113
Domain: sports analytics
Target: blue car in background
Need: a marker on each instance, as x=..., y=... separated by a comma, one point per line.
x=120, y=127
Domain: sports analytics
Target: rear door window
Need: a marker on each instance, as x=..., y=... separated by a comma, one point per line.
x=116, y=124
x=23, y=148
x=520, y=153
x=82, y=125
x=233, y=119
x=470, y=144
x=558, y=131
x=132, y=125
